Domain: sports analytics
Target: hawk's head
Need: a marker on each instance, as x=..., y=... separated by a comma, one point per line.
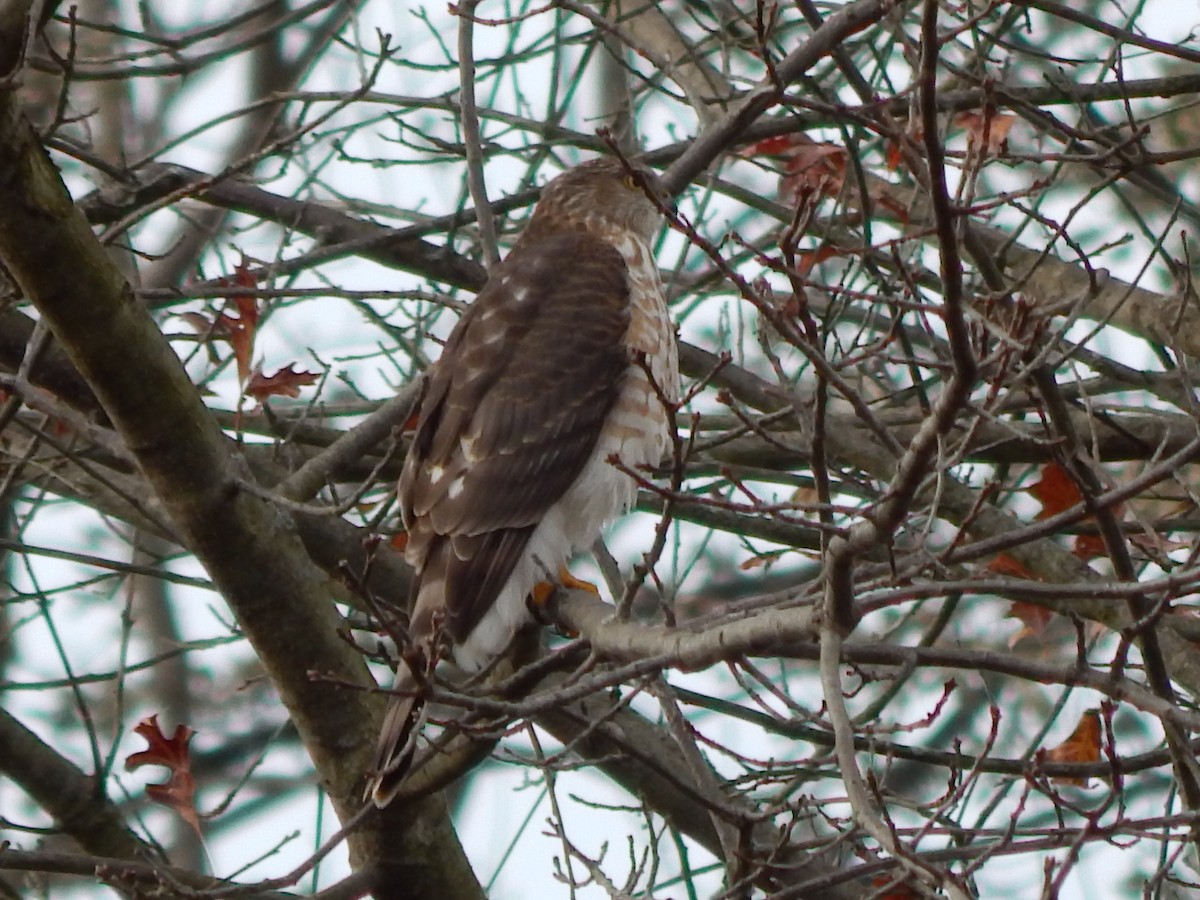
x=602, y=194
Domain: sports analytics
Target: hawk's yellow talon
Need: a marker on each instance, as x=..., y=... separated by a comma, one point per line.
x=567, y=580
x=543, y=589
x=541, y=592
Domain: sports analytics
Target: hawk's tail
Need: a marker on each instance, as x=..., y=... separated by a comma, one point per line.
x=398, y=739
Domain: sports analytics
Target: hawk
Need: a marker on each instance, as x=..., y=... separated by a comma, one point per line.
x=564, y=360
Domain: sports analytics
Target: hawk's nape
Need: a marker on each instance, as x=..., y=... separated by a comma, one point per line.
x=562, y=361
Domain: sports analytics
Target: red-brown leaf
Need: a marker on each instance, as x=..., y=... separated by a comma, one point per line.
x=763, y=561
x=814, y=167
x=1083, y=746
x=1056, y=491
x=1034, y=619
x=886, y=882
x=179, y=793
x=1090, y=546
x=286, y=382
x=894, y=157
x=1003, y=564
x=806, y=260
x=987, y=131
x=808, y=165
x=242, y=327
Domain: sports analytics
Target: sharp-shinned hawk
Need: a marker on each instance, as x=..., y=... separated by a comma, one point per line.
x=564, y=360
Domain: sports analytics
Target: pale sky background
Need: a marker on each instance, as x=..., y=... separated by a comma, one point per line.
x=510, y=794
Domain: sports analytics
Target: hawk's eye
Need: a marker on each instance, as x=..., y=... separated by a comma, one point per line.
x=630, y=182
